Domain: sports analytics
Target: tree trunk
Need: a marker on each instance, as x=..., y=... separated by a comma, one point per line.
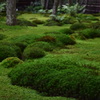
x=55, y=6
x=11, y=12
x=47, y=4
x=60, y=3
x=70, y=2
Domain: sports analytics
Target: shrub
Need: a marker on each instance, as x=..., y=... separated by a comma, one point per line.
x=77, y=26
x=33, y=52
x=23, y=22
x=2, y=36
x=66, y=31
x=43, y=45
x=11, y=62
x=90, y=33
x=59, y=76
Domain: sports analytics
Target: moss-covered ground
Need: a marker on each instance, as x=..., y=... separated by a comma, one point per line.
x=87, y=49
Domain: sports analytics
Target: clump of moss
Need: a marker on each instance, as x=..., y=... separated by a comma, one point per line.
x=67, y=31
x=23, y=22
x=43, y=45
x=33, y=52
x=77, y=26
x=2, y=36
x=11, y=62
x=47, y=38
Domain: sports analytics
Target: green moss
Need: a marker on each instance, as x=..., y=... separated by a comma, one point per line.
x=33, y=52
x=91, y=33
x=2, y=36
x=77, y=26
x=11, y=62
x=59, y=76
x=67, y=31
x=43, y=45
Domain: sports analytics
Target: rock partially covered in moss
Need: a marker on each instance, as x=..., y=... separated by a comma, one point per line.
x=11, y=62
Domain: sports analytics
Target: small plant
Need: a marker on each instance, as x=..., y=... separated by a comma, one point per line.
x=2, y=6
x=67, y=31
x=11, y=62
x=73, y=10
x=33, y=52
x=77, y=26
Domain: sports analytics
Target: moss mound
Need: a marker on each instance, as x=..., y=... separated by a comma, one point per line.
x=43, y=45
x=11, y=62
x=90, y=33
x=33, y=52
x=59, y=76
x=8, y=49
x=77, y=26
x=67, y=31
x=2, y=36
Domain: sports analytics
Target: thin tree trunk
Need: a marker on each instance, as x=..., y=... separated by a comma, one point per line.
x=70, y=2
x=47, y=4
x=55, y=6
x=60, y=3
x=11, y=12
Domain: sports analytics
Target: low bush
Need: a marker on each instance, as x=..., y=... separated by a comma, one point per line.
x=2, y=36
x=33, y=52
x=8, y=49
x=90, y=33
x=67, y=31
x=43, y=45
x=59, y=76
x=11, y=62
x=23, y=22
x=77, y=26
